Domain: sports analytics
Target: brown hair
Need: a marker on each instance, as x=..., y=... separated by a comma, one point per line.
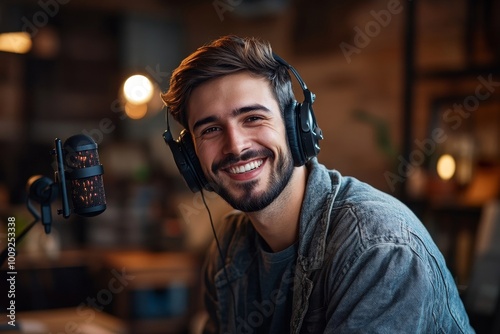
x=226, y=55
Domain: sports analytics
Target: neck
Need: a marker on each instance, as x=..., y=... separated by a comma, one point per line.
x=278, y=224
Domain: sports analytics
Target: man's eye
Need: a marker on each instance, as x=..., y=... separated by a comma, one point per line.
x=253, y=118
x=209, y=130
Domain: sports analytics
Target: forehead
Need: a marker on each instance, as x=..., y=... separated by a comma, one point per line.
x=222, y=95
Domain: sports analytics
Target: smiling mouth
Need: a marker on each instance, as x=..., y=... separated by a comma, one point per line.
x=246, y=167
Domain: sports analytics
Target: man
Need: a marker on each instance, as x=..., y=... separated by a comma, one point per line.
x=308, y=251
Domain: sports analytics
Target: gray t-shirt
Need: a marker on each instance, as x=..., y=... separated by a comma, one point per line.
x=271, y=290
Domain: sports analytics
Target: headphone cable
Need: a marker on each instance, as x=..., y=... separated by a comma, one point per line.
x=220, y=254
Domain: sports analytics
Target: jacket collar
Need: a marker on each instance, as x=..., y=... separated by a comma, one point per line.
x=315, y=214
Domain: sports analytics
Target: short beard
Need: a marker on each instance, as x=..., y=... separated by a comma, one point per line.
x=249, y=202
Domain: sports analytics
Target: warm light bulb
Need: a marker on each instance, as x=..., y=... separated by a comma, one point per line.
x=446, y=167
x=15, y=42
x=136, y=111
x=138, y=89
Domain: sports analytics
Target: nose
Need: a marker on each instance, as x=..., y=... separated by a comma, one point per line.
x=235, y=141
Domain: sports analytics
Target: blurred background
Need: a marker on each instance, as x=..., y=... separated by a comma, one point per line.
x=407, y=98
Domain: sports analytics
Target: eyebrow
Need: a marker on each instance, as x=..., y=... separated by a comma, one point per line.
x=204, y=121
x=234, y=113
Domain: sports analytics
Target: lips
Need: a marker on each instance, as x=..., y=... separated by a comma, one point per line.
x=244, y=163
x=246, y=167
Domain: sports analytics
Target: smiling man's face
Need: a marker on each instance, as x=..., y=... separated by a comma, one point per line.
x=240, y=139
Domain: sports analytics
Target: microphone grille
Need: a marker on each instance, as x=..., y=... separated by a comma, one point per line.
x=85, y=176
x=83, y=159
x=88, y=193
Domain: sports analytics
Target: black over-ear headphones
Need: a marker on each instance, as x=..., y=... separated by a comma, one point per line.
x=302, y=130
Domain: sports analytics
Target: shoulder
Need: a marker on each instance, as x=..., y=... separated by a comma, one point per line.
x=364, y=219
x=358, y=214
x=375, y=214
x=368, y=225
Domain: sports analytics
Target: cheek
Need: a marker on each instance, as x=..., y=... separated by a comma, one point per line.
x=206, y=155
x=274, y=137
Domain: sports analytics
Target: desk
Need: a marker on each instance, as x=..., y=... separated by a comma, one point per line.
x=150, y=292
x=68, y=320
x=168, y=280
x=73, y=277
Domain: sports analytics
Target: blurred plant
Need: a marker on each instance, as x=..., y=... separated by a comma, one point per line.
x=381, y=132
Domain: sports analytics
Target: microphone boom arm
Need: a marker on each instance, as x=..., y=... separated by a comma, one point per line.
x=41, y=189
x=60, y=175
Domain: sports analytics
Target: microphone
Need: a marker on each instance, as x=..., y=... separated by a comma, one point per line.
x=77, y=169
x=79, y=173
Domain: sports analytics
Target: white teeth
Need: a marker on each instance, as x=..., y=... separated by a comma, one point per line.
x=245, y=168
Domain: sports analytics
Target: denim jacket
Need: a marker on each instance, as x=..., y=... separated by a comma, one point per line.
x=365, y=264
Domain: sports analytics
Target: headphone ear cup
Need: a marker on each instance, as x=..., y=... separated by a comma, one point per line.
x=302, y=131
x=291, y=115
x=186, y=160
x=308, y=131
x=186, y=142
